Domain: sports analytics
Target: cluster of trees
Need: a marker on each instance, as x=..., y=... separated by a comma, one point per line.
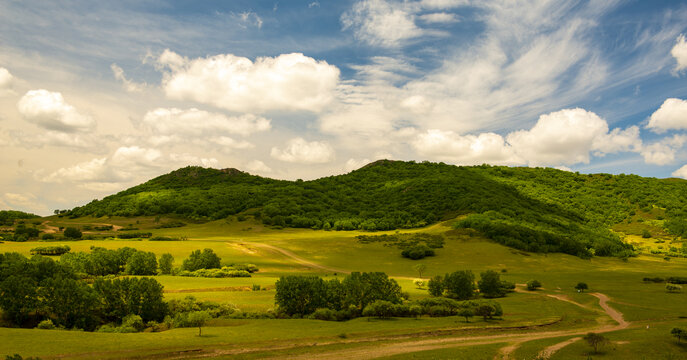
x=367, y=294
x=37, y=289
x=101, y=262
x=533, y=209
x=8, y=217
x=50, y=250
x=461, y=285
x=302, y=295
x=206, y=259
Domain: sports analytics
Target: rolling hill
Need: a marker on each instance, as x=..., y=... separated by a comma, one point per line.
x=532, y=209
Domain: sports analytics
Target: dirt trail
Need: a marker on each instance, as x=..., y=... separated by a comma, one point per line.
x=616, y=315
x=295, y=257
x=49, y=229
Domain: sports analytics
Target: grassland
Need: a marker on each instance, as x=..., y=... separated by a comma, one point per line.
x=528, y=317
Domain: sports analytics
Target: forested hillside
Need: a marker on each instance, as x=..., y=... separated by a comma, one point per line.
x=533, y=209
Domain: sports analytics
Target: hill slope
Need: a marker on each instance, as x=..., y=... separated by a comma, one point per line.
x=533, y=209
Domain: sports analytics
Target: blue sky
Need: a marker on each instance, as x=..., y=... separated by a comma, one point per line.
x=98, y=96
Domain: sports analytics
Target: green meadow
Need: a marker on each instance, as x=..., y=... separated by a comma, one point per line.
x=333, y=254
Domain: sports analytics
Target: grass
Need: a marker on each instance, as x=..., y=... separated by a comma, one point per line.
x=239, y=242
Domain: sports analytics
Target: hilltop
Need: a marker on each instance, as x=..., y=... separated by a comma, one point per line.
x=533, y=209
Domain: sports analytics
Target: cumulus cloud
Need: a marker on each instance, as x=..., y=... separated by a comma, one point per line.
x=663, y=151
x=50, y=111
x=6, y=80
x=679, y=52
x=439, y=18
x=299, y=150
x=129, y=85
x=81, y=142
x=194, y=122
x=681, y=172
x=25, y=200
x=381, y=23
x=565, y=137
x=465, y=149
x=561, y=137
x=123, y=166
x=672, y=115
x=258, y=166
x=287, y=82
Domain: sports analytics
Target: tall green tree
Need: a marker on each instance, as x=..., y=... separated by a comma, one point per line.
x=490, y=285
x=165, y=263
x=460, y=285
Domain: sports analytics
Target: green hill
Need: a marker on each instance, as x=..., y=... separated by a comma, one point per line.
x=532, y=209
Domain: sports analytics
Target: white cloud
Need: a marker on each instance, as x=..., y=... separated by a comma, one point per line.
x=286, y=82
x=249, y=18
x=679, y=52
x=122, y=167
x=355, y=164
x=681, y=172
x=442, y=4
x=314, y=4
x=25, y=200
x=188, y=159
x=465, y=149
x=81, y=142
x=672, y=115
x=194, y=122
x=258, y=167
x=663, y=152
x=129, y=85
x=382, y=23
x=439, y=18
x=6, y=81
x=300, y=151
x=49, y=110
x=563, y=137
x=617, y=141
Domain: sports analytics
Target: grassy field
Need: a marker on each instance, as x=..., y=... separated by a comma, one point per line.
x=331, y=253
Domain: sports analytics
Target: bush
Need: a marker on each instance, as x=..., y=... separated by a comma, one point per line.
x=673, y=288
x=72, y=233
x=46, y=325
x=224, y=272
x=324, y=314
x=50, y=250
x=533, y=285
x=48, y=237
x=417, y=252
x=654, y=279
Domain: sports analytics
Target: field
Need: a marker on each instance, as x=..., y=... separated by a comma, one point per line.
x=532, y=321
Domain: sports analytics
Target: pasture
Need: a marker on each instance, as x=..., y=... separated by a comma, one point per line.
x=332, y=254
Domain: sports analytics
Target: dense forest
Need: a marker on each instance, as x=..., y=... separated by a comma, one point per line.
x=533, y=209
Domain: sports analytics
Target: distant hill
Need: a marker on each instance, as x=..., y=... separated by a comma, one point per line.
x=7, y=217
x=533, y=209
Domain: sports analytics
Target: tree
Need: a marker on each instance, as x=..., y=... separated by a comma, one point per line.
x=300, y=295
x=467, y=313
x=202, y=260
x=142, y=263
x=489, y=284
x=165, y=264
x=71, y=303
x=678, y=333
x=420, y=268
x=18, y=297
x=581, y=287
x=486, y=311
x=72, y=233
x=436, y=286
x=533, y=285
x=460, y=284
x=198, y=318
x=595, y=340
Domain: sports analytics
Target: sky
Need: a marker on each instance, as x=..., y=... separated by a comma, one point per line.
x=99, y=96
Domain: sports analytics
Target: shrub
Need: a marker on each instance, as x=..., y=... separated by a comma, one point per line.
x=654, y=279
x=324, y=314
x=417, y=252
x=72, y=233
x=48, y=237
x=50, y=250
x=533, y=285
x=46, y=325
x=673, y=288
